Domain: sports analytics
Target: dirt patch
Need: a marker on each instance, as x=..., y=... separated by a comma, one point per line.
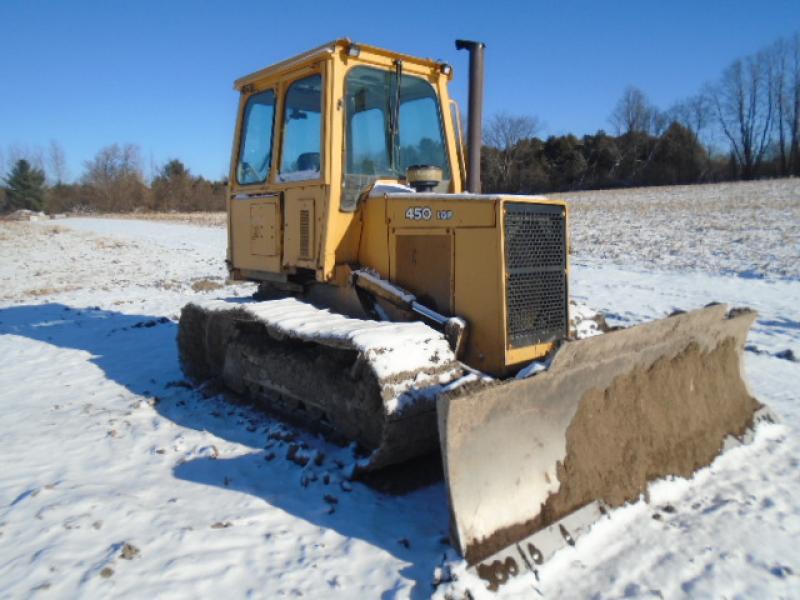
x=207, y=219
x=48, y=291
x=694, y=401
x=129, y=551
x=617, y=442
x=206, y=285
x=45, y=291
x=109, y=244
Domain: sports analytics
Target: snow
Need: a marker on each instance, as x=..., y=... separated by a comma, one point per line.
x=383, y=187
x=299, y=175
x=404, y=356
x=731, y=530
x=392, y=348
x=430, y=196
x=751, y=229
x=391, y=290
x=105, y=444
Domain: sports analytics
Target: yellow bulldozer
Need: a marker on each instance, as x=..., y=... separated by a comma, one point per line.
x=398, y=305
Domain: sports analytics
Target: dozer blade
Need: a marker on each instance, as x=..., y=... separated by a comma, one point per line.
x=530, y=463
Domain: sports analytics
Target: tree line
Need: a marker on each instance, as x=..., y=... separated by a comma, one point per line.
x=744, y=125
x=113, y=181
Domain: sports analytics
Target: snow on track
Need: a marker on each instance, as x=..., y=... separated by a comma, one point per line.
x=104, y=444
x=394, y=350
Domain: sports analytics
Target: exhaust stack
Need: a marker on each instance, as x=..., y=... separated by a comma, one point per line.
x=475, y=109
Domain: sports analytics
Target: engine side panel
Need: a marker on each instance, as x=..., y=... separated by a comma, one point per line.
x=424, y=260
x=451, y=252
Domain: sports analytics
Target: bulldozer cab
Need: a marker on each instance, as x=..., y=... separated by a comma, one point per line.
x=313, y=134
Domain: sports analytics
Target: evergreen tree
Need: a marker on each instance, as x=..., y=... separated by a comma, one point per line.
x=26, y=187
x=172, y=187
x=678, y=159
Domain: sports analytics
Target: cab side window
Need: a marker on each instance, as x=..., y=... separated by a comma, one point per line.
x=302, y=122
x=255, y=147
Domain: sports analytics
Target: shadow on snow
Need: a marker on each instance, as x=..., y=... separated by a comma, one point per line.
x=139, y=352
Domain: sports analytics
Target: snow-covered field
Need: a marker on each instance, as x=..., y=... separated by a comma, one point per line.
x=118, y=479
x=751, y=229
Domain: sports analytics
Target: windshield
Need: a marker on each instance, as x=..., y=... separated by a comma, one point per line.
x=372, y=149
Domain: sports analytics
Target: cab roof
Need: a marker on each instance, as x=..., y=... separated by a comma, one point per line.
x=323, y=52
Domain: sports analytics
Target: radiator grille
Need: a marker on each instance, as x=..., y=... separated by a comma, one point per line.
x=305, y=234
x=536, y=261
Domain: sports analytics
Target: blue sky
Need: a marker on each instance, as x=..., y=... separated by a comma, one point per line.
x=160, y=73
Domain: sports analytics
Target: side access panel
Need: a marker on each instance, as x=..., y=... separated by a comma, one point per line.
x=263, y=230
x=302, y=218
x=255, y=233
x=423, y=264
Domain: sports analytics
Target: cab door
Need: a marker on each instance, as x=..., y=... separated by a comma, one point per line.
x=299, y=171
x=255, y=212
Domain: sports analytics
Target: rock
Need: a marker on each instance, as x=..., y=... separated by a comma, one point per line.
x=26, y=215
x=442, y=575
x=296, y=456
x=129, y=551
x=281, y=434
x=306, y=477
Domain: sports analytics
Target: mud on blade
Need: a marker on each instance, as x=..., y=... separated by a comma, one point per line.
x=612, y=413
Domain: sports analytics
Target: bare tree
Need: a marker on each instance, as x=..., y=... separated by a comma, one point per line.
x=780, y=89
x=32, y=154
x=56, y=163
x=743, y=106
x=152, y=168
x=792, y=104
x=694, y=113
x=659, y=121
x=115, y=176
x=504, y=132
x=633, y=113
x=112, y=162
x=636, y=119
